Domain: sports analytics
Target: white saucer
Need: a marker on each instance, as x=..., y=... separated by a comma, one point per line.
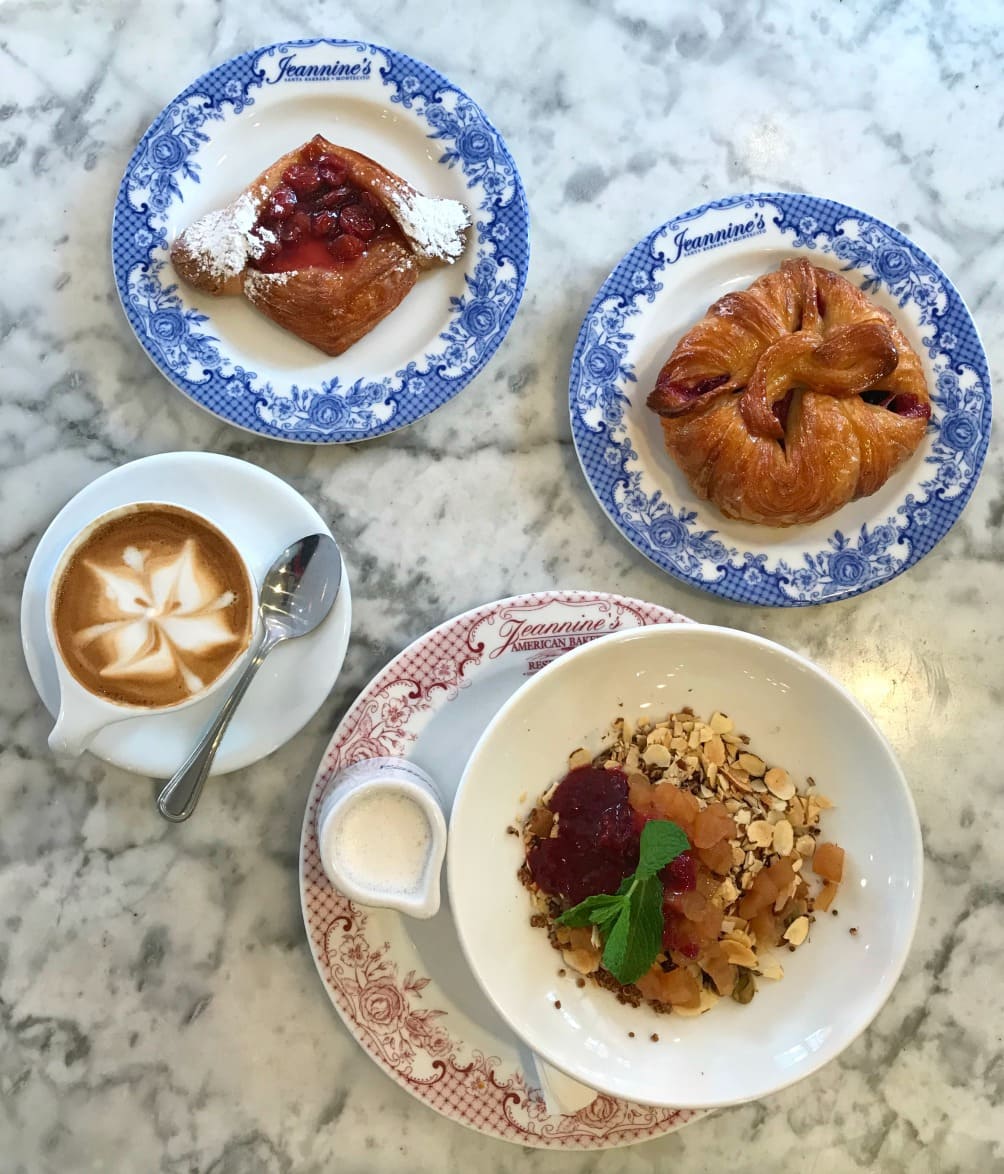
x=262, y=515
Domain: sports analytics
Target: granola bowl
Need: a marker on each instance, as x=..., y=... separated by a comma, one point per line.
x=784, y=787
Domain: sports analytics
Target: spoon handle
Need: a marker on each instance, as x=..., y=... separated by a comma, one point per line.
x=179, y=796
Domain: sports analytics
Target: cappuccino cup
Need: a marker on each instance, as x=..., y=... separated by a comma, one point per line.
x=151, y=609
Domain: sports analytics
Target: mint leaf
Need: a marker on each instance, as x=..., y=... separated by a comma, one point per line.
x=644, y=939
x=661, y=842
x=595, y=910
x=630, y=921
x=615, y=949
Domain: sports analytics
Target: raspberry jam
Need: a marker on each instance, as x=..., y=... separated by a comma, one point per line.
x=597, y=842
x=319, y=216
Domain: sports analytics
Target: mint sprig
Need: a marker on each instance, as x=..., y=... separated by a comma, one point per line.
x=630, y=921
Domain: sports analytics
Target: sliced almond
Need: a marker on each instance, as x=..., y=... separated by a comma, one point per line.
x=784, y=838
x=760, y=833
x=779, y=783
x=752, y=764
x=714, y=751
x=582, y=961
x=770, y=968
x=656, y=756
x=797, y=932
x=805, y=846
x=742, y=816
x=660, y=736
x=739, y=955
x=580, y=757
x=721, y=723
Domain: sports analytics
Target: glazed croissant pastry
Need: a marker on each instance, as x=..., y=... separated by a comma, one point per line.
x=791, y=398
x=325, y=242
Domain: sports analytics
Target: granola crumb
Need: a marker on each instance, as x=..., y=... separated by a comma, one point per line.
x=630, y=1035
x=561, y=972
x=511, y=831
x=833, y=913
x=580, y=982
x=854, y=931
x=557, y=1004
x=654, y=1037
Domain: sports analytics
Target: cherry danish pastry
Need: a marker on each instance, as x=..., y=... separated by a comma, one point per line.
x=325, y=242
x=791, y=398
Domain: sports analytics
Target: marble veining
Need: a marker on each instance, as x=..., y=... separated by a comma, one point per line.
x=159, y=1010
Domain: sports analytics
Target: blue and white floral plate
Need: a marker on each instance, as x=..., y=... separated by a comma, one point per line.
x=230, y=124
x=660, y=288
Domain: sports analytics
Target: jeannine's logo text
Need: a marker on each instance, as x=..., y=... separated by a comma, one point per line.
x=334, y=71
x=522, y=635
x=685, y=244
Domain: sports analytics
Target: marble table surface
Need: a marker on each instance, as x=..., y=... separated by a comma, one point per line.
x=159, y=1010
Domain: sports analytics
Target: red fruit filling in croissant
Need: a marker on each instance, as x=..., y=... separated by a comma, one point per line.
x=791, y=398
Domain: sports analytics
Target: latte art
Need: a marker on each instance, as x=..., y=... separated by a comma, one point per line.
x=153, y=607
x=159, y=615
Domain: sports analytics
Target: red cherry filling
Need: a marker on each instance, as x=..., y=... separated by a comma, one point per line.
x=345, y=247
x=302, y=178
x=909, y=405
x=357, y=221
x=904, y=404
x=319, y=215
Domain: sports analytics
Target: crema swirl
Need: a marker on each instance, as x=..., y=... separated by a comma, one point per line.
x=152, y=606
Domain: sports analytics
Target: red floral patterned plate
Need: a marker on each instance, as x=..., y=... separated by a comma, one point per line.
x=402, y=986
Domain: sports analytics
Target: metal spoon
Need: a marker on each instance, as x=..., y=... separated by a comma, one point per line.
x=298, y=592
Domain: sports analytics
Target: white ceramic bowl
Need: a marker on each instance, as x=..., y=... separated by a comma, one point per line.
x=797, y=717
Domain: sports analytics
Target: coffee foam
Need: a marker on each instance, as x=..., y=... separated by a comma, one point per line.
x=152, y=606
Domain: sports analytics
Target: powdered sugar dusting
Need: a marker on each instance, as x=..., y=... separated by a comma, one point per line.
x=435, y=228
x=255, y=277
x=221, y=242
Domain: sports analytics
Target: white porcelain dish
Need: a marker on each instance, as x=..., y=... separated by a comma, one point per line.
x=796, y=716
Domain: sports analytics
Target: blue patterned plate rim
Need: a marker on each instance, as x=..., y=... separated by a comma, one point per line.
x=179, y=339
x=868, y=544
